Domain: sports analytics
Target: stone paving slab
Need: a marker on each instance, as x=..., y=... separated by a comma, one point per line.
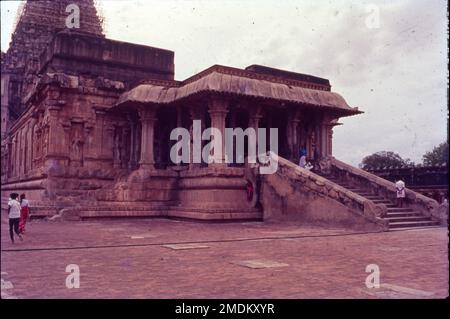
x=388, y=291
x=142, y=236
x=259, y=264
x=185, y=246
x=406, y=290
x=321, y=263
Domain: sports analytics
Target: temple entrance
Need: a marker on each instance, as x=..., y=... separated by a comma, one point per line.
x=238, y=117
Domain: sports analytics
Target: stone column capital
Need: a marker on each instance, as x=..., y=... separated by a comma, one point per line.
x=218, y=105
x=53, y=110
x=147, y=114
x=197, y=112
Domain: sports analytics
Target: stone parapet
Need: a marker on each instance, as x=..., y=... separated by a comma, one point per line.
x=308, y=196
x=427, y=206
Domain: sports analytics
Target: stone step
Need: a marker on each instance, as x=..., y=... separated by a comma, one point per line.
x=405, y=214
x=384, y=201
x=365, y=193
x=360, y=191
x=398, y=210
x=413, y=224
x=412, y=228
x=373, y=197
x=407, y=219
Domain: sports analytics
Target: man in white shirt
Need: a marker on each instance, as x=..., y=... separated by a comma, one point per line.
x=14, y=216
x=401, y=192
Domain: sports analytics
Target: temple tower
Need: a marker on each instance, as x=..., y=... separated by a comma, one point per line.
x=37, y=23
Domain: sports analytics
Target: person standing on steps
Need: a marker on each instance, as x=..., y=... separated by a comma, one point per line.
x=302, y=161
x=14, y=216
x=401, y=192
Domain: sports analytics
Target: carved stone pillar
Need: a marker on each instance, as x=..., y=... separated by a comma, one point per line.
x=316, y=141
x=197, y=113
x=126, y=138
x=218, y=109
x=134, y=141
x=179, y=124
x=291, y=134
x=117, y=150
x=326, y=135
x=330, y=141
x=148, y=119
x=253, y=122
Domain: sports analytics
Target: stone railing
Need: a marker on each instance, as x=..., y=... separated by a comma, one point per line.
x=324, y=187
x=379, y=186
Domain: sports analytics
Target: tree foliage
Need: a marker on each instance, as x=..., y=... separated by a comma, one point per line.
x=384, y=159
x=438, y=156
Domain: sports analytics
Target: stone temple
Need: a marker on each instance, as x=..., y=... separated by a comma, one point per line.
x=86, y=125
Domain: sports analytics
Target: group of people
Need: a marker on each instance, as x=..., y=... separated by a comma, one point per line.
x=18, y=213
x=399, y=185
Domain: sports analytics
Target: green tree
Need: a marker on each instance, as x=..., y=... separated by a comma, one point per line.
x=438, y=156
x=383, y=159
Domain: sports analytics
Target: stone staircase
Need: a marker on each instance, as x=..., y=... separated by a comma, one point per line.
x=398, y=218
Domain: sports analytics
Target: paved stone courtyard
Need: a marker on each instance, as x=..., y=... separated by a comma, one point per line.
x=157, y=258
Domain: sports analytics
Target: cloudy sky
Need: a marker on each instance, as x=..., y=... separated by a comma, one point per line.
x=387, y=57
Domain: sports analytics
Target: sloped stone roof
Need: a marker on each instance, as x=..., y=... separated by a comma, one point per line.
x=226, y=80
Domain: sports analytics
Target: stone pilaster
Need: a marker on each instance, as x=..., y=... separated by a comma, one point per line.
x=10, y=150
x=55, y=132
x=148, y=119
x=102, y=134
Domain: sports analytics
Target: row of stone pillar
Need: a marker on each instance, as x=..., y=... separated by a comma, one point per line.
x=218, y=109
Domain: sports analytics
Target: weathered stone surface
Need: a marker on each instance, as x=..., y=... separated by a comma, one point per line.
x=91, y=137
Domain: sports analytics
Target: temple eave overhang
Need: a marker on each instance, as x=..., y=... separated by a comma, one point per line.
x=220, y=80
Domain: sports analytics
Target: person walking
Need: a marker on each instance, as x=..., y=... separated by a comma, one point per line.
x=24, y=213
x=14, y=216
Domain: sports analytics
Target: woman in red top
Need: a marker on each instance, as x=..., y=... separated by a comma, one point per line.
x=24, y=213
